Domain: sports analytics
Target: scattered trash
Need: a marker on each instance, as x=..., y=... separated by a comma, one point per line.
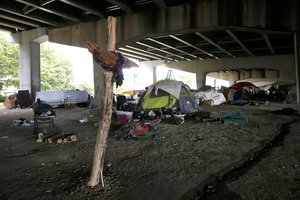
x=84, y=120
x=39, y=140
x=199, y=116
x=233, y=118
x=22, y=122
x=137, y=130
x=173, y=120
x=286, y=111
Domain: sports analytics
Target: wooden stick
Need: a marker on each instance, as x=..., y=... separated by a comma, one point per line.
x=105, y=113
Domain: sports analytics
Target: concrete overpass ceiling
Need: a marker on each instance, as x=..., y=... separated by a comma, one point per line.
x=20, y=15
x=227, y=42
x=227, y=33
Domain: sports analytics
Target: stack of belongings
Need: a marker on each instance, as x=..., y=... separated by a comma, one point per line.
x=42, y=109
x=139, y=129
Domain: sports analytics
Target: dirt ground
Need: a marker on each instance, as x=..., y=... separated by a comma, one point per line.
x=194, y=160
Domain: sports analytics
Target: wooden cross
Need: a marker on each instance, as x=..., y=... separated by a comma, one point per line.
x=108, y=59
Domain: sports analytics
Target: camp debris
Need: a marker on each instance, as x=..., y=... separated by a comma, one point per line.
x=138, y=130
x=210, y=97
x=55, y=136
x=22, y=122
x=286, y=111
x=169, y=95
x=233, y=118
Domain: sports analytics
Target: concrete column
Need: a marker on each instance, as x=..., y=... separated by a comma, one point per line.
x=29, y=59
x=154, y=74
x=98, y=83
x=35, y=68
x=24, y=66
x=29, y=67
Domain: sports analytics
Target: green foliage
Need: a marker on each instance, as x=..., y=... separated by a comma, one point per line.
x=56, y=71
x=2, y=97
x=9, y=63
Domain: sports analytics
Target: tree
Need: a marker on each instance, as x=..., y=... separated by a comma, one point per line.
x=56, y=71
x=9, y=63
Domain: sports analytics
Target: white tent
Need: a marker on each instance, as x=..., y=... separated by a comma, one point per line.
x=211, y=94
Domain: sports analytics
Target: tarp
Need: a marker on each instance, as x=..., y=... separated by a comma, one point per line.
x=240, y=86
x=170, y=86
x=59, y=97
x=211, y=94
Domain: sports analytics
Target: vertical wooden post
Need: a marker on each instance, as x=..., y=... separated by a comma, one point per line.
x=106, y=111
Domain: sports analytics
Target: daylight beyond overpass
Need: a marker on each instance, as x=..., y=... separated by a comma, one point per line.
x=239, y=33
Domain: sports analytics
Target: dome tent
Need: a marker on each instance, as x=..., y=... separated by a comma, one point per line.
x=168, y=94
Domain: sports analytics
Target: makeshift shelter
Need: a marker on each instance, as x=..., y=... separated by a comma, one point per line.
x=242, y=90
x=168, y=94
x=214, y=96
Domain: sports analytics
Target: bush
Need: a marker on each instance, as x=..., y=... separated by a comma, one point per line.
x=2, y=97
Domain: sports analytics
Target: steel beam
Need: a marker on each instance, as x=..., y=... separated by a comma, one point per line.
x=170, y=47
x=268, y=42
x=126, y=54
x=160, y=3
x=215, y=44
x=138, y=53
x=121, y=4
x=4, y=28
x=31, y=17
x=13, y=25
x=54, y=12
x=28, y=9
x=81, y=6
x=45, y=2
x=236, y=39
x=157, y=49
x=19, y=20
x=147, y=52
x=191, y=45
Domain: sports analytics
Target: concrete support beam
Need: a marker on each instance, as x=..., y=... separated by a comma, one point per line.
x=29, y=67
x=283, y=64
x=29, y=59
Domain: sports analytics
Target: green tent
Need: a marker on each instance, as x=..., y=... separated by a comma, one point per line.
x=168, y=94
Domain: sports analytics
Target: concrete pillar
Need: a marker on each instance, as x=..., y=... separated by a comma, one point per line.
x=271, y=73
x=154, y=74
x=244, y=74
x=257, y=73
x=29, y=67
x=29, y=59
x=98, y=81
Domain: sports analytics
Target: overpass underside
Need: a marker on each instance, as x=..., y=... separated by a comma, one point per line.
x=202, y=36
x=199, y=30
